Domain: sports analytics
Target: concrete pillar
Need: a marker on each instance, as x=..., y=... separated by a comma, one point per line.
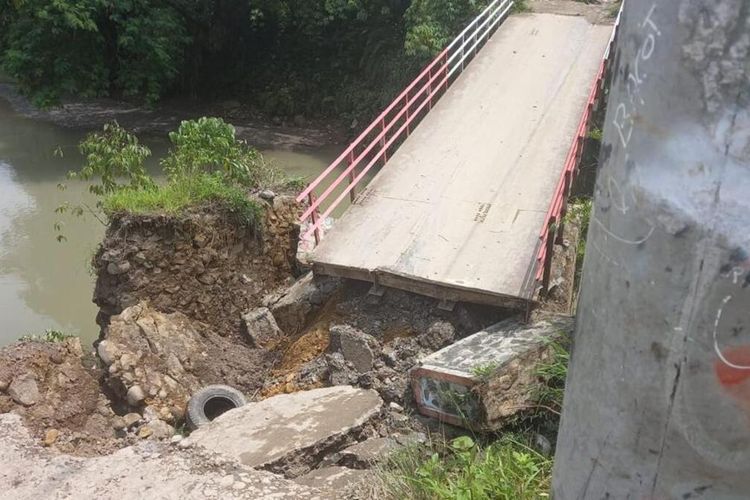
x=657, y=404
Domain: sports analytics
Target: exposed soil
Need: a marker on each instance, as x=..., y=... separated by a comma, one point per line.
x=202, y=263
x=250, y=125
x=56, y=391
x=398, y=329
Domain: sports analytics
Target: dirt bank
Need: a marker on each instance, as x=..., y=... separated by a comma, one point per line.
x=202, y=263
x=55, y=388
x=260, y=131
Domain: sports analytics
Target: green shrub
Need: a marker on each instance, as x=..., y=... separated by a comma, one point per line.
x=209, y=145
x=506, y=469
x=113, y=155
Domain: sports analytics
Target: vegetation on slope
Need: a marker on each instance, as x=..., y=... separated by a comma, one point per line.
x=511, y=466
x=206, y=164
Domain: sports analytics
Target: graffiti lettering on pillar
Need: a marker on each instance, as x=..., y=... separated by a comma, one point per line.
x=624, y=123
x=624, y=113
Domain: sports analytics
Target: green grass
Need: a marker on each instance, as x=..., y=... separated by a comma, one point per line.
x=484, y=371
x=185, y=192
x=552, y=373
x=579, y=213
x=507, y=469
x=48, y=336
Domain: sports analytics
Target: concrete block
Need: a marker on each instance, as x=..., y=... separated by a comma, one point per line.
x=280, y=433
x=483, y=379
x=260, y=327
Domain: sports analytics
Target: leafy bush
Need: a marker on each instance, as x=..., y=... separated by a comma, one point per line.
x=210, y=145
x=506, y=469
x=431, y=24
x=113, y=155
x=207, y=164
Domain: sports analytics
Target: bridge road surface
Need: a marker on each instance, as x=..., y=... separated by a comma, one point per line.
x=457, y=210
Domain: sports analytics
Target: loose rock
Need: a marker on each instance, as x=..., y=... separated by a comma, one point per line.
x=261, y=327
x=135, y=395
x=354, y=345
x=51, y=436
x=440, y=334
x=116, y=268
x=161, y=429
x=131, y=419
x=24, y=390
x=118, y=423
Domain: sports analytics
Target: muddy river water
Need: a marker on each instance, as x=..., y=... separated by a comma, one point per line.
x=46, y=284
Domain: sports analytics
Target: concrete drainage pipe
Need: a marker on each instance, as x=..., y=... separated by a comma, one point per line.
x=210, y=402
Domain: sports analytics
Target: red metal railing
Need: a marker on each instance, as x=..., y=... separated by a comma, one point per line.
x=397, y=120
x=553, y=220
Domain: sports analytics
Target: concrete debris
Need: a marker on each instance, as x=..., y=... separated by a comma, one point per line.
x=31, y=472
x=486, y=378
x=354, y=345
x=334, y=480
x=438, y=335
x=260, y=327
x=287, y=433
x=367, y=453
x=297, y=305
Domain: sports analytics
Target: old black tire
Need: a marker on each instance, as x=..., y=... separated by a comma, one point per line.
x=210, y=402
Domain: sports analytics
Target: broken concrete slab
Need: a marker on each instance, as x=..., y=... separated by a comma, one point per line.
x=354, y=345
x=483, y=379
x=367, y=453
x=289, y=433
x=334, y=480
x=295, y=308
x=146, y=470
x=260, y=327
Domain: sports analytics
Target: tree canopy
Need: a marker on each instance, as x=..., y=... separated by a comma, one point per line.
x=326, y=58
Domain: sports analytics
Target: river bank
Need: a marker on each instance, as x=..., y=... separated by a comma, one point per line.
x=260, y=131
x=46, y=284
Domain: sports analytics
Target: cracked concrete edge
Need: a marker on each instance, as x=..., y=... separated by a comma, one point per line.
x=155, y=469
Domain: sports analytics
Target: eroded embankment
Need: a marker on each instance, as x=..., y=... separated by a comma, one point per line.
x=202, y=263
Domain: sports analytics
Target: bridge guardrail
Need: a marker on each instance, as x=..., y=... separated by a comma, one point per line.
x=553, y=221
x=405, y=112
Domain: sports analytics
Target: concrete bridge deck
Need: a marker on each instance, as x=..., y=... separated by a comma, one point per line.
x=457, y=210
